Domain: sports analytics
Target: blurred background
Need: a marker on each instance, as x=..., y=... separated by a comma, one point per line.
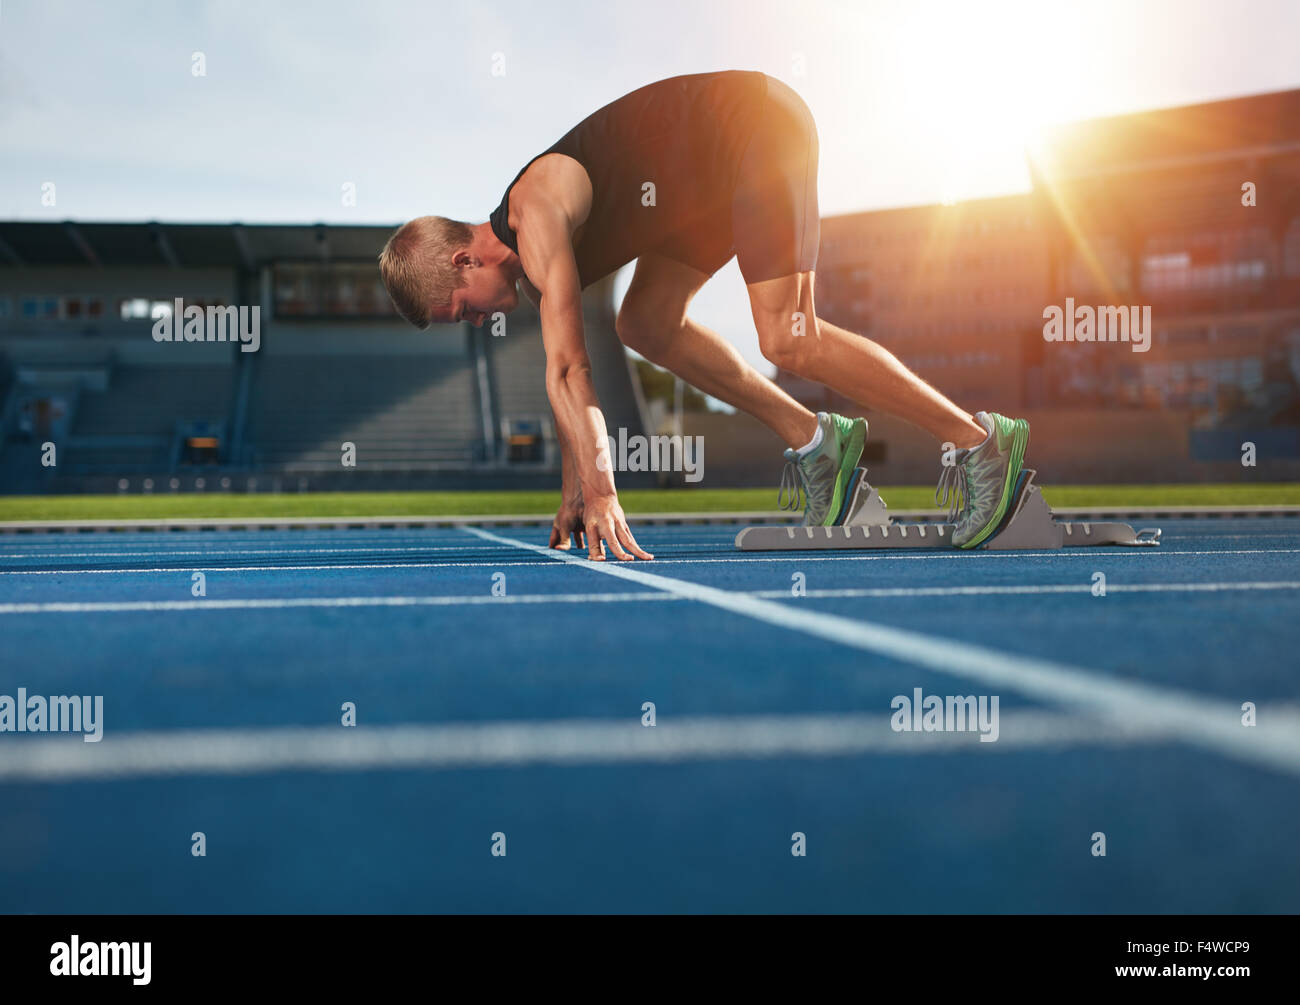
x=977, y=166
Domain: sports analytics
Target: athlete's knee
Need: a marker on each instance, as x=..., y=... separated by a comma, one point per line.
x=790, y=341
x=645, y=330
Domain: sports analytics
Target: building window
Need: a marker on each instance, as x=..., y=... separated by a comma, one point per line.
x=133, y=309
x=335, y=290
x=40, y=308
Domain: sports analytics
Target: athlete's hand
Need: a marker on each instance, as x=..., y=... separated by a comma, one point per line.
x=568, y=524
x=604, y=521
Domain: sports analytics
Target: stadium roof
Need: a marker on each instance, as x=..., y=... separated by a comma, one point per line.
x=1255, y=126
x=184, y=245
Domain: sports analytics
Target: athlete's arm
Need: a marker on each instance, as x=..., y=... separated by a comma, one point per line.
x=568, y=521
x=544, y=227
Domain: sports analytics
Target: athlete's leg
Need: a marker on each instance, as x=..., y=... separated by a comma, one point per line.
x=981, y=485
x=853, y=365
x=776, y=229
x=776, y=233
x=653, y=322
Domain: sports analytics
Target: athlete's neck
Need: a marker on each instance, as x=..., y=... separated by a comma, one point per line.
x=487, y=249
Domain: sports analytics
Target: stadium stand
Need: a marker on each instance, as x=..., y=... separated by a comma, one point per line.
x=518, y=368
x=132, y=425
x=519, y=372
x=80, y=367
x=401, y=412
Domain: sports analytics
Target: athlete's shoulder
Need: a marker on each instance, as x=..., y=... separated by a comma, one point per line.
x=554, y=186
x=553, y=175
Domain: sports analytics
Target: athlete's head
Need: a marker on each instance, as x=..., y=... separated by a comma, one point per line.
x=442, y=271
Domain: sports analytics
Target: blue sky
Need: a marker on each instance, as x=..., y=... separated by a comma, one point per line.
x=915, y=102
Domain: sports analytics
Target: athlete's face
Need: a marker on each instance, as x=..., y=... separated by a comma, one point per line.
x=487, y=290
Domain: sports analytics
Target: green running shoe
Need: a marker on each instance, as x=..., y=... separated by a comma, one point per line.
x=822, y=476
x=981, y=485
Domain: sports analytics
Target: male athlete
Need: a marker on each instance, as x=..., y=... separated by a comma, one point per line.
x=680, y=175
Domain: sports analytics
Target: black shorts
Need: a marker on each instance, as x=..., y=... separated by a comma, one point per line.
x=773, y=225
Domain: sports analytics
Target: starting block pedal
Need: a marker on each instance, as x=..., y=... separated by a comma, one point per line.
x=1028, y=525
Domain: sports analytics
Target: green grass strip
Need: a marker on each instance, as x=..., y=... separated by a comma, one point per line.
x=362, y=504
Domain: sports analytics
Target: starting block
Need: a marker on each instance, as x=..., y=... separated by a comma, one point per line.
x=1029, y=524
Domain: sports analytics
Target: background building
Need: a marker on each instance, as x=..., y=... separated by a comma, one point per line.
x=1135, y=210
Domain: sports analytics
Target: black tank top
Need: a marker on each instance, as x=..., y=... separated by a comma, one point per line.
x=686, y=135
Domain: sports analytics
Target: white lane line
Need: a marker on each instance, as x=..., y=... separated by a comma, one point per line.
x=67, y=758
x=213, y=552
x=483, y=563
x=283, y=552
x=1178, y=536
x=276, y=603
x=890, y=555
x=1014, y=590
x=884, y=592
x=1210, y=723
x=757, y=558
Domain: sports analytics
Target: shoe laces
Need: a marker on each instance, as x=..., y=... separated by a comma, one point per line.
x=793, y=492
x=810, y=489
x=953, y=489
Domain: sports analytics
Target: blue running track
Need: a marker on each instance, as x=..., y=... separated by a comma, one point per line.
x=522, y=716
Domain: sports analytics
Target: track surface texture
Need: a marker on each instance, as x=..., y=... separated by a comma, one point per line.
x=500, y=698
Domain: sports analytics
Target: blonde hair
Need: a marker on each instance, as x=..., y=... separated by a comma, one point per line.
x=416, y=264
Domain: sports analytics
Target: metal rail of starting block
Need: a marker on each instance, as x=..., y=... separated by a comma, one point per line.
x=1029, y=524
